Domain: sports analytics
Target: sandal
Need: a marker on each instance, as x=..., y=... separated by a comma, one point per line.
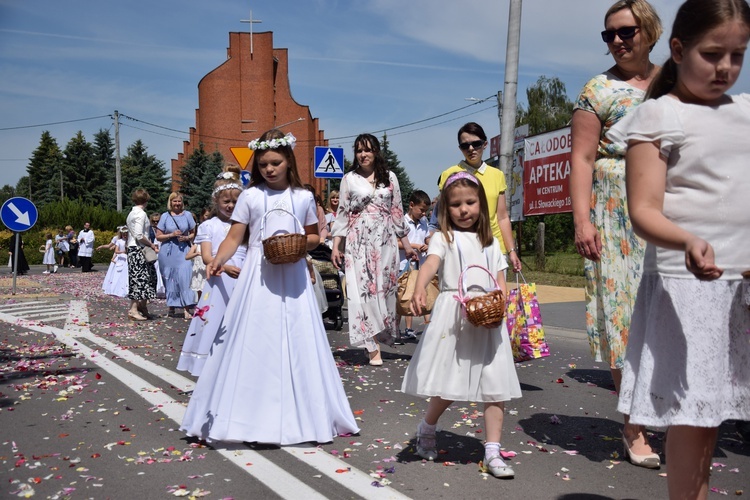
x=136, y=317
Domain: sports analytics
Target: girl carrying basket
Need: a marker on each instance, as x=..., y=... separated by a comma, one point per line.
x=270, y=376
x=209, y=312
x=455, y=360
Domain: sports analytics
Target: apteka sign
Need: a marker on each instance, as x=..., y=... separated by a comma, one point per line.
x=546, y=170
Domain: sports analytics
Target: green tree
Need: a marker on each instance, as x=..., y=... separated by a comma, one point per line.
x=84, y=179
x=198, y=176
x=549, y=107
x=142, y=170
x=103, y=157
x=406, y=185
x=7, y=192
x=22, y=187
x=44, y=166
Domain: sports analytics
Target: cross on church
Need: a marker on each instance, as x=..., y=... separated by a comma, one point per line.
x=251, y=21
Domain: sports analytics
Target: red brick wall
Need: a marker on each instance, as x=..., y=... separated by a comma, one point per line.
x=255, y=89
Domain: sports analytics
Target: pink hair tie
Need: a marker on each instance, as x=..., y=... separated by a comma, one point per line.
x=460, y=175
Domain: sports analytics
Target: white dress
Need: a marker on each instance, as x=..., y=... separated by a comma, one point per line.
x=455, y=359
x=110, y=269
x=161, y=291
x=270, y=376
x=49, y=253
x=688, y=355
x=117, y=284
x=209, y=312
x=198, y=278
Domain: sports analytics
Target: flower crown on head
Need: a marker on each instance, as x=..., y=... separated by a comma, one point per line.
x=224, y=187
x=225, y=175
x=460, y=175
x=287, y=140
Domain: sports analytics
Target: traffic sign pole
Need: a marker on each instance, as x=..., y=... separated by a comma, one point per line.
x=18, y=214
x=15, y=261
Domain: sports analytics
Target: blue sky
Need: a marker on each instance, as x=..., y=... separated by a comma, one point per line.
x=361, y=66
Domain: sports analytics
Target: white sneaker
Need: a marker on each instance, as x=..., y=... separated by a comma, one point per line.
x=426, y=443
x=45, y=272
x=54, y=269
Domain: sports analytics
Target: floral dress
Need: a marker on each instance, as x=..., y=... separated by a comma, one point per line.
x=611, y=283
x=372, y=221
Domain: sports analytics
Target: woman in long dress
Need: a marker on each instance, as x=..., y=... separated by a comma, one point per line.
x=175, y=232
x=371, y=221
x=141, y=274
x=604, y=235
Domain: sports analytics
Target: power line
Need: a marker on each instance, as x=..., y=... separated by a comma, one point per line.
x=419, y=121
x=227, y=139
x=56, y=123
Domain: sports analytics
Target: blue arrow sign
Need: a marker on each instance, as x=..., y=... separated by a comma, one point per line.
x=329, y=162
x=19, y=214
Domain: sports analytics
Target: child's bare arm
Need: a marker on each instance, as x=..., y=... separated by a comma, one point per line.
x=426, y=272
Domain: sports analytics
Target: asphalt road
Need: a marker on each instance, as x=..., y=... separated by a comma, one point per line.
x=90, y=405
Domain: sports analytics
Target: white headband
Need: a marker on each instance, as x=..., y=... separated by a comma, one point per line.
x=287, y=140
x=224, y=187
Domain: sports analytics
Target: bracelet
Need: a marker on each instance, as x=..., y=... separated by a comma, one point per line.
x=512, y=250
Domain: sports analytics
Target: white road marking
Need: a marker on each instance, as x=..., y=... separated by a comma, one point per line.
x=265, y=471
x=37, y=310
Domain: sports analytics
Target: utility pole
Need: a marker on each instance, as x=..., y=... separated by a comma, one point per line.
x=118, y=180
x=62, y=194
x=508, y=116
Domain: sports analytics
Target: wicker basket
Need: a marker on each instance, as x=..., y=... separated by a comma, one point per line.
x=484, y=309
x=43, y=249
x=283, y=248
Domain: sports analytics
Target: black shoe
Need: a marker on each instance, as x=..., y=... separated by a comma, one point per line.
x=743, y=429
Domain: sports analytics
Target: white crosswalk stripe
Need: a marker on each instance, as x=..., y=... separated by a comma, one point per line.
x=38, y=310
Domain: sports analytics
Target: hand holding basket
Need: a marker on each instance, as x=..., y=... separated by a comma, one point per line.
x=482, y=310
x=283, y=248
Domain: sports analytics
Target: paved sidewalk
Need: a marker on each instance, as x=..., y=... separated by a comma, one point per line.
x=556, y=294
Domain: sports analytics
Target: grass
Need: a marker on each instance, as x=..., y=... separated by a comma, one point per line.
x=561, y=269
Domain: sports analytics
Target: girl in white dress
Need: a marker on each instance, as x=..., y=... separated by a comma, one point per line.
x=687, y=366
x=49, y=253
x=270, y=376
x=455, y=360
x=112, y=245
x=198, y=280
x=116, y=280
x=209, y=312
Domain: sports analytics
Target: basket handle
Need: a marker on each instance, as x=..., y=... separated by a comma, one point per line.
x=263, y=221
x=461, y=292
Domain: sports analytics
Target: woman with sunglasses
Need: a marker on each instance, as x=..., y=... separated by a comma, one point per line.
x=603, y=233
x=472, y=142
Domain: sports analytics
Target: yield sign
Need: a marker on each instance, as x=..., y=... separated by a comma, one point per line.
x=242, y=155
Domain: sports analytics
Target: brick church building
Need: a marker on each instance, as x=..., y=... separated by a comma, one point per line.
x=243, y=97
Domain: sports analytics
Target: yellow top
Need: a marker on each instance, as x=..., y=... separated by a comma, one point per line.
x=493, y=182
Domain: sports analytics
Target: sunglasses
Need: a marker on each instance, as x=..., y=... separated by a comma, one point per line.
x=625, y=33
x=464, y=146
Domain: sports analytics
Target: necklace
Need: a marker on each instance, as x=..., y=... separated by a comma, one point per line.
x=365, y=177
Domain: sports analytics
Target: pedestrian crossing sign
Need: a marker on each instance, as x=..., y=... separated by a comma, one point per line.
x=329, y=162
